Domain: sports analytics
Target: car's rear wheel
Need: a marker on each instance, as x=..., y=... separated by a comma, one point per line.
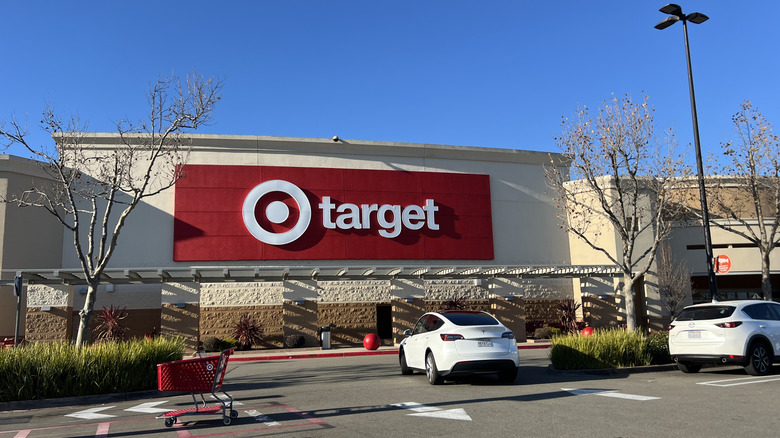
x=508, y=376
x=689, y=367
x=430, y=370
x=760, y=360
x=405, y=370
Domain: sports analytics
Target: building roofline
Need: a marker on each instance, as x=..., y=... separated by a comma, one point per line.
x=201, y=143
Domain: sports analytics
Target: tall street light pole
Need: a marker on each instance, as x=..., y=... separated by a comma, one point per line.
x=676, y=14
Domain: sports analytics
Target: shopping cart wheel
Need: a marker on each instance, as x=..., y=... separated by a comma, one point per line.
x=233, y=414
x=169, y=421
x=226, y=420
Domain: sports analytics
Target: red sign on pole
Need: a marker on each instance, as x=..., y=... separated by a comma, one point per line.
x=722, y=264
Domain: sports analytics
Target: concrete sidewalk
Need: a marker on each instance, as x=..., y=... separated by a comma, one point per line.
x=335, y=351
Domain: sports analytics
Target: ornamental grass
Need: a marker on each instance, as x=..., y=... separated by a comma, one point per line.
x=606, y=348
x=50, y=370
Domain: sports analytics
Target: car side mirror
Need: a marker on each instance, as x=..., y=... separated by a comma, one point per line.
x=408, y=332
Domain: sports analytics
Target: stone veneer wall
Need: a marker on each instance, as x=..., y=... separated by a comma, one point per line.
x=511, y=313
x=600, y=311
x=219, y=322
x=48, y=326
x=180, y=321
x=349, y=322
x=300, y=319
x=544, y=311
x=288, y=308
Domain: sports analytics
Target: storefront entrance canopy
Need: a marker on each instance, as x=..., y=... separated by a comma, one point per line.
x=218, y=274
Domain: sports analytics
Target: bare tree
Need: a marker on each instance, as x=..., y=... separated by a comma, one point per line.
x=746, y=189
x=94, y=189
x=674, y=279
x=616, y=196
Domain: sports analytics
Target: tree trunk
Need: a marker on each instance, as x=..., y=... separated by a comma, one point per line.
x=628, y=296
x=85, y=316
x=766, y=280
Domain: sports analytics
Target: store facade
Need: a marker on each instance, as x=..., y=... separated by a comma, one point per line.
x=303, y=233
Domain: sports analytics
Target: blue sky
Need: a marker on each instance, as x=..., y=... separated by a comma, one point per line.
x=476, y=73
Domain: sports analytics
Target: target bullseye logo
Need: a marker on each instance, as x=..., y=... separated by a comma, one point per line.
x=276, y=212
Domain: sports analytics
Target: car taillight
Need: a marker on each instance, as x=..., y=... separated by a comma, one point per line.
x=508, y=335
x=731, y=324
x=451, y=337
x=671, y=326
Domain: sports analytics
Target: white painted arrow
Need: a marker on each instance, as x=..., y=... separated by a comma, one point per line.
x=262, y=418
x=610, y=393
x=421, y=410
x=449, y=414
x=91, y=413
x=148, y=408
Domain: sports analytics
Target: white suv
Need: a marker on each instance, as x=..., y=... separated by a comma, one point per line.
x=745, y=333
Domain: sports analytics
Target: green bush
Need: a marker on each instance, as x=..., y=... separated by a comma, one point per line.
x=547, y=332
x=217, y=344
x=604, y=349
x=48, y=370
x=658, y=347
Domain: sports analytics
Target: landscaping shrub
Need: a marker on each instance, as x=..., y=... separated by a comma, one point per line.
x=216, y=344
x=546, y=332
x=457, y=303
x=48, y=370
x=294, y=341
x=212, y=344
x=658, y=347
x=109, y=324
x=248, y=332
x=567, y=311
x=603, y=349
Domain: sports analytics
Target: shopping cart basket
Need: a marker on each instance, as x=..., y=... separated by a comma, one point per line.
x=197, y=376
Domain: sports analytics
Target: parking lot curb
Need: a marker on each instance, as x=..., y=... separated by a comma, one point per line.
x=312, y=355
x=613, y=371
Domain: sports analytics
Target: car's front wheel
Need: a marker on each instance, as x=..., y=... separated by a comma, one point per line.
x=689, y=367
x=430, y=370
x=760, y=360
x=405, y=370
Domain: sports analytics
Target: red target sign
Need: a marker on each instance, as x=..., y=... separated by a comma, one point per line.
x=722, y=264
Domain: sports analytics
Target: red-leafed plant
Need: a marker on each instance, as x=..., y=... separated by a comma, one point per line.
x=248, y=332
x=568, y=313
x=109, y=324
x=456, y=303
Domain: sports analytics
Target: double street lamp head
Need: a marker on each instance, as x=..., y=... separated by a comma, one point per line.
x=676, y=14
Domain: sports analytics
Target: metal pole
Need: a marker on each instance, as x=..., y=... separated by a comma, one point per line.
x=702, y=192
x=18, y=292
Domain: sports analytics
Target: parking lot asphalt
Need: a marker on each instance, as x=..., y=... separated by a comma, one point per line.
x=238, y=356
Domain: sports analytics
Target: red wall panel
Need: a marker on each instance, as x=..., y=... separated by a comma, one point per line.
x=209, y=225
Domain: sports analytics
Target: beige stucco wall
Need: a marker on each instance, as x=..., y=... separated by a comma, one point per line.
x=523, y=211
x=29, y=237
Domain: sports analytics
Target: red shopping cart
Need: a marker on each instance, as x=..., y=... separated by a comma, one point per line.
x=197, y=376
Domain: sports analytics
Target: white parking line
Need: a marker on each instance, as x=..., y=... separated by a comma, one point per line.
x=740, y=381
x=610, y=393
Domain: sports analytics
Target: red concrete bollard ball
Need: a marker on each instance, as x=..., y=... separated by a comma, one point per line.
x=371, y=341
x=587, y=331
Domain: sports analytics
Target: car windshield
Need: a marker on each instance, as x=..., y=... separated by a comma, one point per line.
x=470, y=318
x=705, y=312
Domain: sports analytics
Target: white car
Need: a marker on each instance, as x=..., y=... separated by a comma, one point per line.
x=744, y=333
x=456, y=343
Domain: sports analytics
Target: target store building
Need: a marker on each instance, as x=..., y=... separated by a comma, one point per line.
x=299, y=234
